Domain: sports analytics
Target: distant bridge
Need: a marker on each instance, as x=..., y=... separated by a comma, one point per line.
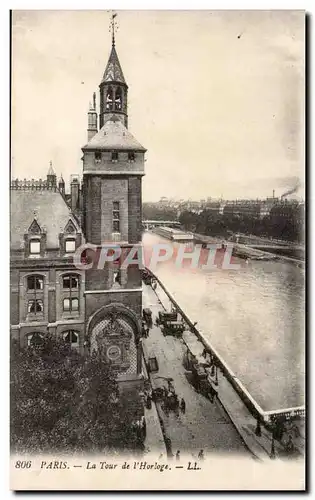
x=148, y=224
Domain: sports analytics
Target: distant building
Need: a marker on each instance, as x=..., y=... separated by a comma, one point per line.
x=248, y=208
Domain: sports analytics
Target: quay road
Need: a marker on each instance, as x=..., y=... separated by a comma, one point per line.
x=253, y=317
x=204, y=425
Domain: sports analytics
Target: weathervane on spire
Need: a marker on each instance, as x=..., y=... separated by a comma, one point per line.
x=113, y=27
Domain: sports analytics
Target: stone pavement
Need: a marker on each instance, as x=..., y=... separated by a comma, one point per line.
x=204, y=425
x=209, y=426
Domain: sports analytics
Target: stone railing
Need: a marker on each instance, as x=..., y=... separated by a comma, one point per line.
x=32, y=184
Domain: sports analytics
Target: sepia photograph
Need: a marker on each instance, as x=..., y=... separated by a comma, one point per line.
x=157, y=250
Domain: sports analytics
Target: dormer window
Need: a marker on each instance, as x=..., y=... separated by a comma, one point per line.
x=131, y=156
x=114, y=156
x=35, y=247
x=70, y=245
x=97, y=156
x=35, y=240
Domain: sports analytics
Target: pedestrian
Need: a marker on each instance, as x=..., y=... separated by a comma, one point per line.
x=290, y=445
x=183, y=405
x=178, y=455
x=201, y=455
x=148, y=331
x=149, y=402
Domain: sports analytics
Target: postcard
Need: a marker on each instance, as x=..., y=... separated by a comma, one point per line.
x=157, y=250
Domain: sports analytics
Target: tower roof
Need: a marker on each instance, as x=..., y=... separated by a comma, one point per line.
x=113, y=71
x=113, y=135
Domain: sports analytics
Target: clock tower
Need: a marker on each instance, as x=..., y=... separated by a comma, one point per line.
x=113, y=167
x=113, y=89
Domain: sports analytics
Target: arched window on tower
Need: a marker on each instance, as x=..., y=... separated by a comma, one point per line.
x=109, y=99
x=118, y=99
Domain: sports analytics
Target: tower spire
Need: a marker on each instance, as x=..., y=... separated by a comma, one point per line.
x=113, y=28
x=92, y=119
x=113, y=87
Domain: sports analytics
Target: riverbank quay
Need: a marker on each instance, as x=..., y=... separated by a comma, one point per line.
x=203, y=425
x=245, y=417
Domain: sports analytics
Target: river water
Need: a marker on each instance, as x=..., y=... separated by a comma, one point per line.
x=254, y=317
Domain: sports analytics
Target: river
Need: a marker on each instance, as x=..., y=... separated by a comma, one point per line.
x=254, y=317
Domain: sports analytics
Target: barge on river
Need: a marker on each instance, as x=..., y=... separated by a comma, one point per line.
x=174, y=234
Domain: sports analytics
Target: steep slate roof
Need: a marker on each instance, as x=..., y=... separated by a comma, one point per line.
x=113, y=71
x=51, y=213
x=113, y=135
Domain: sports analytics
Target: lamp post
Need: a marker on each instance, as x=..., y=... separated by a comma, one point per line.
x=216, y=376
x=258, y=428
x=272, y=453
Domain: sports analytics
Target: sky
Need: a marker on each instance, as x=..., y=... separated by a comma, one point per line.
x=216, y=97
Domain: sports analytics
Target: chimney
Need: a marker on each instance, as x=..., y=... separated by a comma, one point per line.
x=61, y=186
x=75, y=192
x=92, y=119
x=273, y=193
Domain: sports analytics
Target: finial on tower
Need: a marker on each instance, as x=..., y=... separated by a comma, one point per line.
x=94, y=100
x=113, y=28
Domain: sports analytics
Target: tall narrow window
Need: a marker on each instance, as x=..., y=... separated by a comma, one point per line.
x=35, y=294
x=98, y=156
x=109, y=99
x=70, y=288
x=116, y=217
x=70, y=245
x=131, y=156
x=114, y=156
x=116, y=277
x=118, y=99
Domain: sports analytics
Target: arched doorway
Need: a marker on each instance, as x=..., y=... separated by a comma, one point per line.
x=115, y=330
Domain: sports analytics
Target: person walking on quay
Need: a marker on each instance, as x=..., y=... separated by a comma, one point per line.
x=143, y=329
x=183, y=405
x=178, y=455
x=201, y=455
